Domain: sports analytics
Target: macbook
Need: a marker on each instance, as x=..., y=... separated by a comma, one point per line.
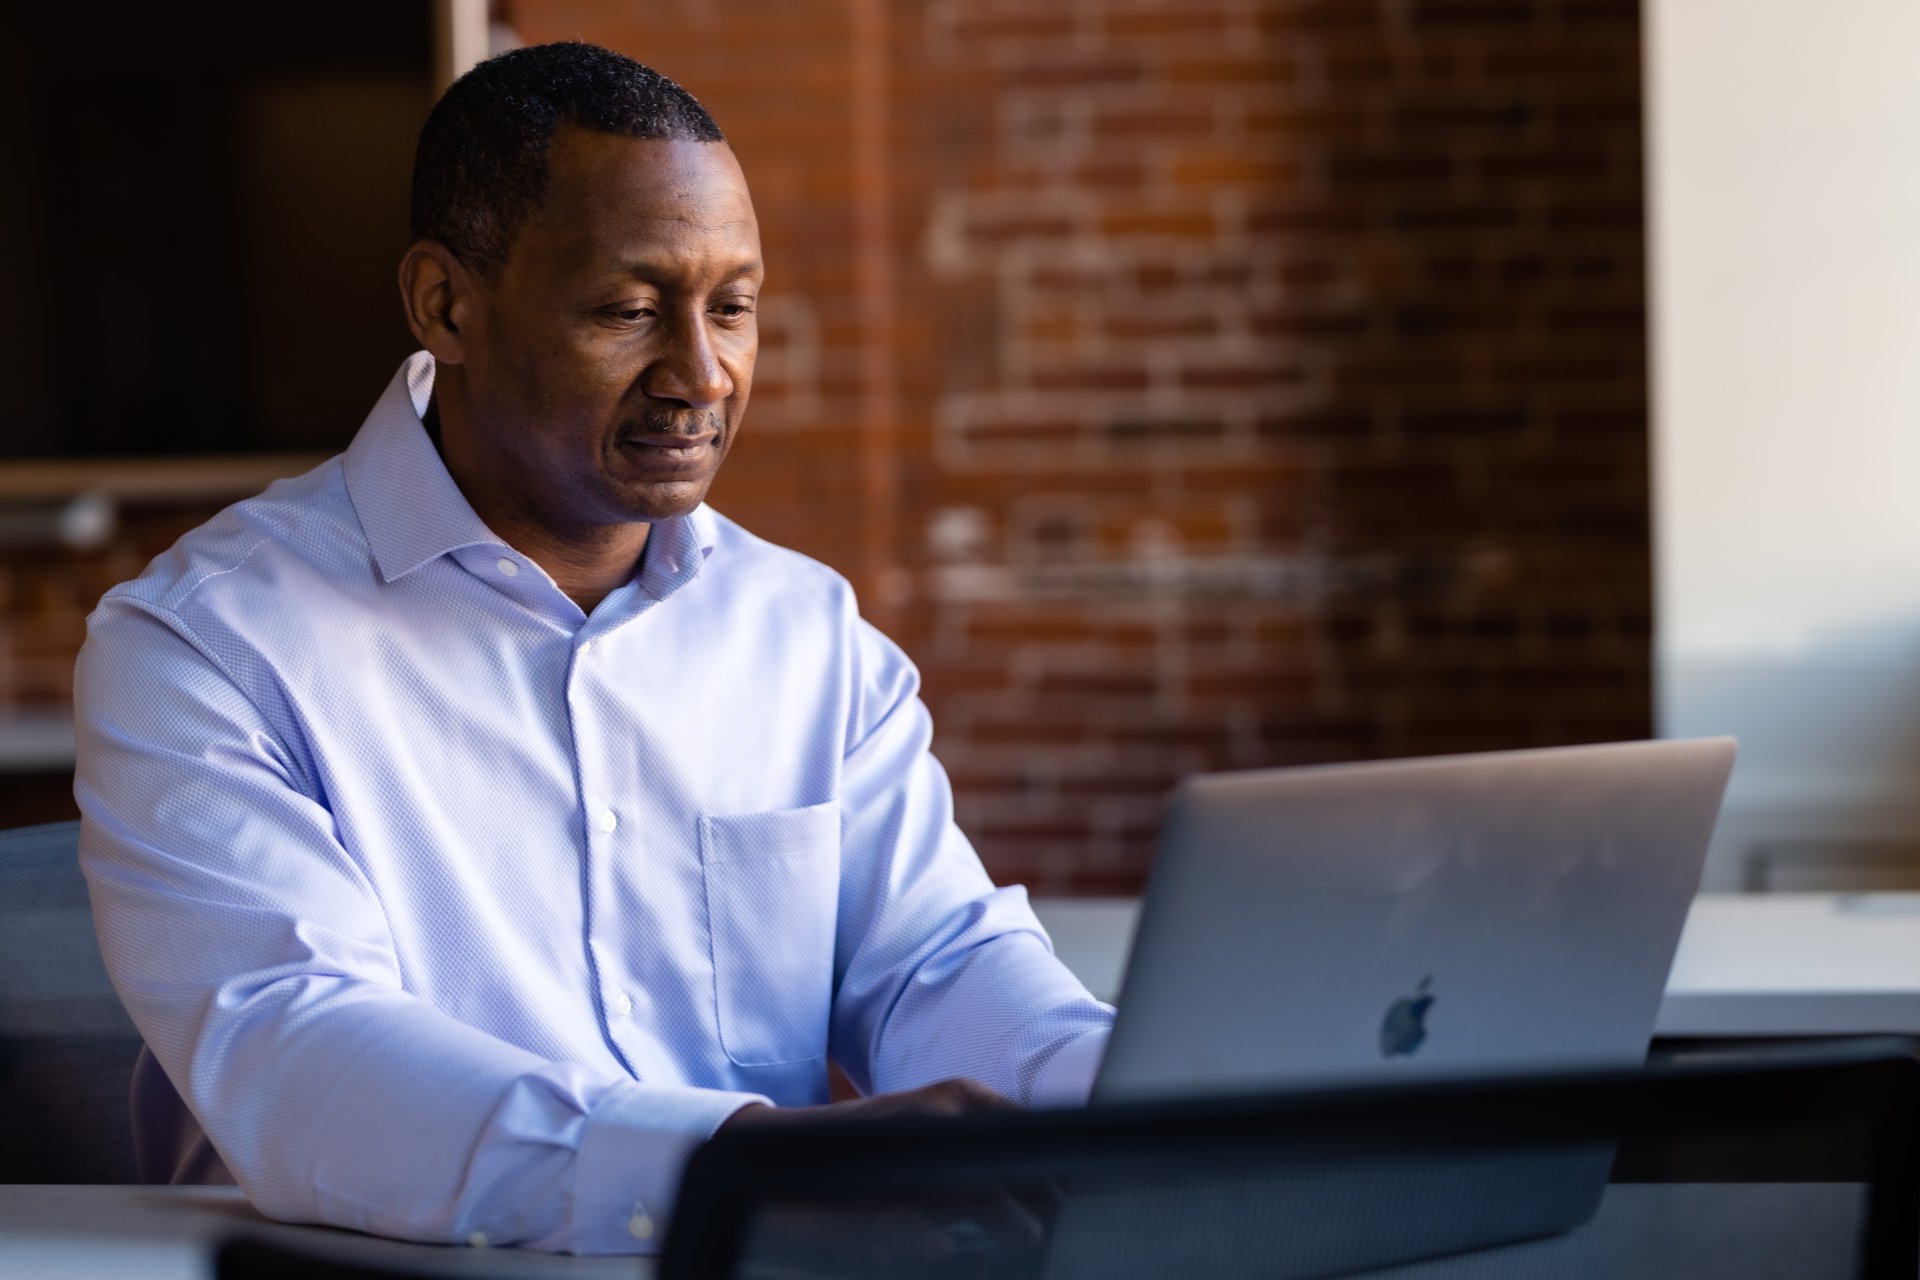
x=1390, y=922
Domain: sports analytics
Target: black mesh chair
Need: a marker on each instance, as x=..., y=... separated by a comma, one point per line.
x=66, y=1045
x=1802, y=1162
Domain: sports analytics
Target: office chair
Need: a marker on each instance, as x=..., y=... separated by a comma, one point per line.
x=66, y=1045
x=1801, y=1162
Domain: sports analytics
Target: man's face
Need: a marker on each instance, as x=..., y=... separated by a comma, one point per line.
x=608, y=364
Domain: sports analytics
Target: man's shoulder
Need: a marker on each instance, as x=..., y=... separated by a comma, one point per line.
x=299, y=531
x=768, y=566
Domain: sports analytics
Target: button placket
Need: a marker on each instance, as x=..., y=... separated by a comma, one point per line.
x=600, y=821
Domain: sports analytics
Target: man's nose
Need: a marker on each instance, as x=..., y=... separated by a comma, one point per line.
x=689, y=369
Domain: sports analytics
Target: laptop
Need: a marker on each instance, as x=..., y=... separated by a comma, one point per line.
x=1398, y=921
x=1798, y=1162
x=1457, y=914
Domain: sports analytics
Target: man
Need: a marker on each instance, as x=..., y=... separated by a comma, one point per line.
x=479, y=821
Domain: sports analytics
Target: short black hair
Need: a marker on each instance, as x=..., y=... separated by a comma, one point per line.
x=481, y=167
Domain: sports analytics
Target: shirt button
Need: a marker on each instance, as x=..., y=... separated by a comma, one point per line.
x=622, y=1004
x=507, y=567
x=609, y=820
x=586, y=647
x=640, y=1222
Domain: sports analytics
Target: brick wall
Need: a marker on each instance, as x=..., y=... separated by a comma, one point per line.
x=46, y=595
x=1195, y=383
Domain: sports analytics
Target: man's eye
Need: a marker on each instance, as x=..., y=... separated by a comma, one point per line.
x=629, y=314
x=732, y=310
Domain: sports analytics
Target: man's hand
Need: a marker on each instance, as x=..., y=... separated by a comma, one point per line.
x=947, y=1098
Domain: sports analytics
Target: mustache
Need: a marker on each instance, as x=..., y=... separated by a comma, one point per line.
x=690, y=423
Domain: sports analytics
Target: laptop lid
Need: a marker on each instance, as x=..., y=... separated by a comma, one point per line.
x=1403, y=919
x=1797, y=1163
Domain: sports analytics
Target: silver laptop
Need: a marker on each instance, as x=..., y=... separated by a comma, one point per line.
x=1483, y=914
x=1346, y=923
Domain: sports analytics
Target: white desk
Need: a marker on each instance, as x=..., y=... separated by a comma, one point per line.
x=1796, y=964
x=1748, y=965
x=170, y=1233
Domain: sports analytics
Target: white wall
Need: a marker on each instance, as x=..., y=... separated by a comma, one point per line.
x=1784, y=224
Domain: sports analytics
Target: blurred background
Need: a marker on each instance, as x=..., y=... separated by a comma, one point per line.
x=1185, y=384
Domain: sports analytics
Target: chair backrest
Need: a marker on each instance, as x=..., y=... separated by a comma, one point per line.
x=67, y=1046
x=1800, y=1164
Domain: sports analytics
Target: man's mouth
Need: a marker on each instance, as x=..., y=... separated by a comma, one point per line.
x=659, y=449
x=669, y=440
x=671, y=445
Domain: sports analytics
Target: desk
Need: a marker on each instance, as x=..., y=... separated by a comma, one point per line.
x=170, y=1233
x=1796, y=964
x=1748, y=965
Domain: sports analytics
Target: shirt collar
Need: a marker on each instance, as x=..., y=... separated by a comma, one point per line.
x=413, y=512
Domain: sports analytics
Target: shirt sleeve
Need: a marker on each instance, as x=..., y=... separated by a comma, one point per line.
x=937, y=972
x=254, y=957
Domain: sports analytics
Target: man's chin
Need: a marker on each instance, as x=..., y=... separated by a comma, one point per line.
x=663, y=500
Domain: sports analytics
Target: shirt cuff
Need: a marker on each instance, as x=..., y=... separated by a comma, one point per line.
x=1067, y=1079
x=627, y=1171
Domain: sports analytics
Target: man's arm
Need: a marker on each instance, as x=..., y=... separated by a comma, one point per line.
x=256, y=960
x=938, y=973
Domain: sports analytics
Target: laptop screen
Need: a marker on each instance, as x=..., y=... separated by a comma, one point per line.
x=1797, y=1166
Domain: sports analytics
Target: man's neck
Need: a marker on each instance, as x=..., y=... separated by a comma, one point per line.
x=588, y=563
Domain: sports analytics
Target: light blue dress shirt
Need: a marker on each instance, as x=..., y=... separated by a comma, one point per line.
x=452, y=912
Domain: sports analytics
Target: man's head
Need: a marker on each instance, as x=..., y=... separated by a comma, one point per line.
x=585, y=270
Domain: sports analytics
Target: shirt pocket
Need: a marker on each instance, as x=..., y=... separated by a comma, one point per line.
x=773, y=889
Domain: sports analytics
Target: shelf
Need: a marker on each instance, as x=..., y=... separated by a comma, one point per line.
x=148, y=480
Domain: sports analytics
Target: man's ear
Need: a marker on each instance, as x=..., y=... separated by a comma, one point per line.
x=437, y=293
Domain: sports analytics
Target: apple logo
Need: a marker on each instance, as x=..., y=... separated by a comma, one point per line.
x=1404, y=1028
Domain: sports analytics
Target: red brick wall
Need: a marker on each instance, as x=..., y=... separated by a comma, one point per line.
x=1195, y=383
x=46, y=595
x=1217, y=383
